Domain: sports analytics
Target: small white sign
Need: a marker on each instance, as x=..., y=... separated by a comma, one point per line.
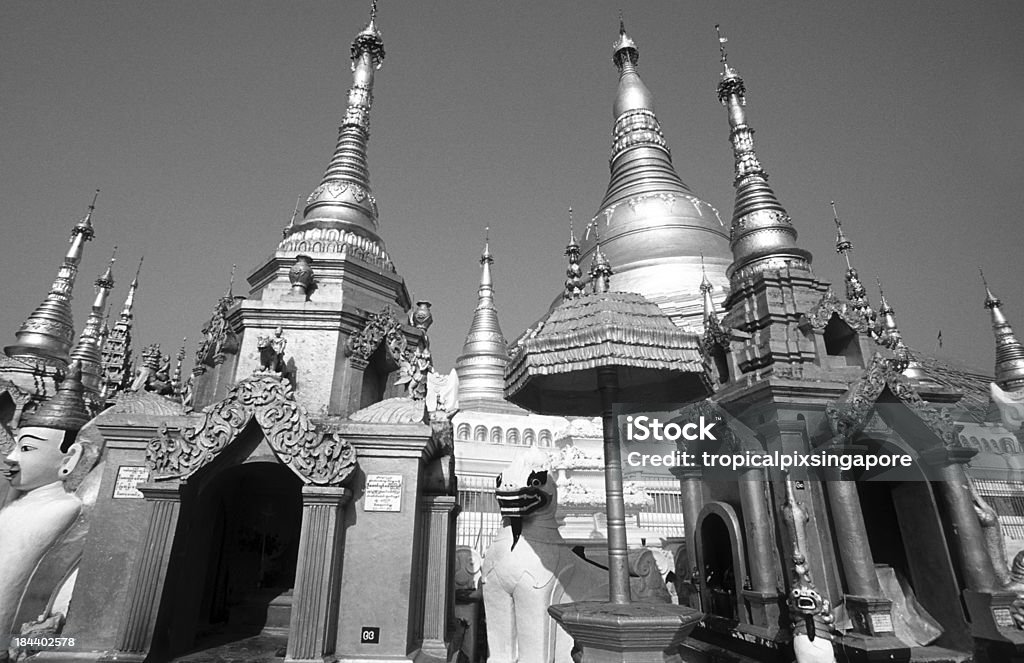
x=383, y=492
x=128, y=477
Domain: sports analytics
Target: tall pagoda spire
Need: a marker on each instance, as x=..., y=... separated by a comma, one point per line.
x=117, y=348
x=88, y=350
x=653, y=226
x=856, y=293
x=481, y=366
x=48, y=333
x=762, y=235
x=343, y=201
x=1009, y=351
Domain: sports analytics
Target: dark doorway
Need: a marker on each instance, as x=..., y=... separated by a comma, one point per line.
x=719, y=575
x=237, y=567
x=913, y=563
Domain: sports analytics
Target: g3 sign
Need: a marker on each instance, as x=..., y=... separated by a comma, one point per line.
x=369, y=635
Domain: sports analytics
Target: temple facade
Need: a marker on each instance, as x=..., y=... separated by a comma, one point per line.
x=313, y=452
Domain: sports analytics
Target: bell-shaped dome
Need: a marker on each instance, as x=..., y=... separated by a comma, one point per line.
x=653, y=228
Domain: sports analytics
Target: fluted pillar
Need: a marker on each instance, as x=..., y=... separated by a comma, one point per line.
x=136, y=634
x=312, y=632
x=438, y=514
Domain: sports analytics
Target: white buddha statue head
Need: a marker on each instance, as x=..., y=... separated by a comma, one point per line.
x=46, y=448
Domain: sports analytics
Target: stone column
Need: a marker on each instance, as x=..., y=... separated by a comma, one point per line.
x=312, y=632
x=975, y=563
x=438, y=513
x=763, y=595
x=870, y=610
x=135, y=636
x=692, y=495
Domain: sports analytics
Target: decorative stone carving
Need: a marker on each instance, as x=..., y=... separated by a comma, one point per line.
x=850, y=415
x=443, y=392
x=415, y=371
x=301, y=275
x=817, y=318
x=272, y=352
x=317, y=455
x=154, y=374
x=218, y=338
x=380, y=327
x=421, y=317
x=809, y=612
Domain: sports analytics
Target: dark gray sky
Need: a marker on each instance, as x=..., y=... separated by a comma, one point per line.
x=202, y=122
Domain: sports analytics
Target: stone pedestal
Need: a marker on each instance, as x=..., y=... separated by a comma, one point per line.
x=312, y=631
x=627, y=633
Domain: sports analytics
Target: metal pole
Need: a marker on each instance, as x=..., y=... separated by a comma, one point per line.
x=618, y=563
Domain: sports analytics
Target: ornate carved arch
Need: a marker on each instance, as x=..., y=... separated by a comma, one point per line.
x=380, y=327
x=817, y=318
x=317, y=456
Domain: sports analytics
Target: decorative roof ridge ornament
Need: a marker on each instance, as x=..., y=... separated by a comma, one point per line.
x=847, y=416
x=48, y=334
x=1009, y=366
x=761, y=235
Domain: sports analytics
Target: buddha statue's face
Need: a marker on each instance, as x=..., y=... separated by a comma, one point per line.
x=37, y=459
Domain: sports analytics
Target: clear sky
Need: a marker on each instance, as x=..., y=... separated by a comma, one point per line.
x=203, y=121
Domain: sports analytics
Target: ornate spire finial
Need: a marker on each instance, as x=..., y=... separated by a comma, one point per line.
x=48, y=332
x=573, y=273
x=600, y=269
x=843, y=245
x=344, y=201
x=762, y=235
x=88, y=352
x=889, y=331
x=727, y=71
x=291, y=222
x=626, y=55
x=705, y=291
x=1009, y=350
x=481, y=366
x=856, y=293
x=106, y=280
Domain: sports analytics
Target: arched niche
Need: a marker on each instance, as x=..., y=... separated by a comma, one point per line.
x=718, y=542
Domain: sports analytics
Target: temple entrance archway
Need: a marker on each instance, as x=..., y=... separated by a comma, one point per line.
x=235, y=568
x=256, y=511
x=909, y=546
